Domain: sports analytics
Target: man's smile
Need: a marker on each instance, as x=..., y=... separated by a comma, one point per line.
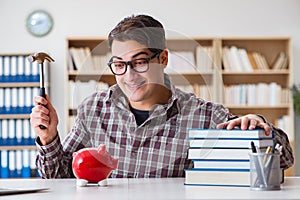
x=134, y=86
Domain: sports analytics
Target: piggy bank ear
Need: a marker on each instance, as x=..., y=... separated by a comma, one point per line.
x=74, y=154
x=101, y=149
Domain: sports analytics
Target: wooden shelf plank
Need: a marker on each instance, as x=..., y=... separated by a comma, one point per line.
x=258, y=72
x=282, y=106
x=18, y=147
x=22, y=84
x=281, y=78
x=14, y=116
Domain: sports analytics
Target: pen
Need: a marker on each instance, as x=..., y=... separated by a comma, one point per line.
x=274, y=145
x=253, y=147
x=269, y=150
x=269, y=162
x=258, y=165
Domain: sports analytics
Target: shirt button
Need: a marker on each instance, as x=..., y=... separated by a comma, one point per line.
x=128, y=148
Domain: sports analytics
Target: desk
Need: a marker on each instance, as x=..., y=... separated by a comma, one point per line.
x=143, y=189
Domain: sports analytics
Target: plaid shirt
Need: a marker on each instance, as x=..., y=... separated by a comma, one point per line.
x=156, y=148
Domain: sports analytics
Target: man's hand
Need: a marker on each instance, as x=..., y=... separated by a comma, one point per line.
x=245, y=122
x=44, y=114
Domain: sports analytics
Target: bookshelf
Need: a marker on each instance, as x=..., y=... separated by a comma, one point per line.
x=208, y=75
x=19, y=83
x=280, y=112
x=270, y=48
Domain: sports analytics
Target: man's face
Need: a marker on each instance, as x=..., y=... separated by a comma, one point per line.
x=138, y=87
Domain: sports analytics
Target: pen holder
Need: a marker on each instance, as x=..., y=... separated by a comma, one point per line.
x=265, y=172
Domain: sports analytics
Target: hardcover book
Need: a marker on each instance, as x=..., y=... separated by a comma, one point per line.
x=228, y=134
x=218, y=153
x=221, y=164
x=210, y=177
x=229, y=142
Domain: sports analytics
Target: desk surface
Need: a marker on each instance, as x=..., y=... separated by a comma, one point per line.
x=165, y=188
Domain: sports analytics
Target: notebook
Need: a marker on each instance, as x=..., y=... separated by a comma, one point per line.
x=9, y=191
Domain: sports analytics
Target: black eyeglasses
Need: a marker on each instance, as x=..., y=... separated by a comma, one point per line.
x=138, y=65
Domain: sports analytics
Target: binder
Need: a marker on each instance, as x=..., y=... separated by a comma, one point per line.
x=14, y=100
x=0, y=133
x=19, y=163
x=26, y=162
x=21, y=102
x=32, y=134
x=19, y=132
x=13, y=68
x=26, y=132
x=2, y=109
x=6, y=69
x=28, y=99
x=7, y=100
x=35, y=72
x=33, y=170
x=11, y=132
x=4, y=164
x=1, y=68
x=12, y=163
x=21, y=65
x=4, y=132
x=27, y=71
x=36, y=92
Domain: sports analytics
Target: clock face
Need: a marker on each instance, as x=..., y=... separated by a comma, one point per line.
x=39, y=23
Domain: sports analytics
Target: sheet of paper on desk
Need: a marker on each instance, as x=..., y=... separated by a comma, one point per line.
x=10, y=191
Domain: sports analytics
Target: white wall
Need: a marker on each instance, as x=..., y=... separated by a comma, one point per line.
x=188, y=17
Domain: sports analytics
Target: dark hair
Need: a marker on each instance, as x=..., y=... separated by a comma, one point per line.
x=141, y=28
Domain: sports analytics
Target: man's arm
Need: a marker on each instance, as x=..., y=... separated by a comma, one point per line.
x=52, y=161
x=252, y=121
x=286, y=158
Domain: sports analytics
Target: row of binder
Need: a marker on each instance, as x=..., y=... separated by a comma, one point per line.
x=18, y=164
x=19, y=69
x=17, y=100
x=16, y=132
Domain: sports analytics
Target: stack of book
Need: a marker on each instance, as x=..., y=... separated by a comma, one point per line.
x=85, y=59
x=221, y=157
x=239, y=59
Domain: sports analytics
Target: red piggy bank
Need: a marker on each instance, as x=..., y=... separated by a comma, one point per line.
x=92, y=165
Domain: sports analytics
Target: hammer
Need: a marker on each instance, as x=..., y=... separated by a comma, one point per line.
x=40, y=58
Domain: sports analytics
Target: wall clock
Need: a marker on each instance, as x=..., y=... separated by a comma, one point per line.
x=39, y=23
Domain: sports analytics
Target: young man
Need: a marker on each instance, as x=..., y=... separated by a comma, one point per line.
x=143, y=119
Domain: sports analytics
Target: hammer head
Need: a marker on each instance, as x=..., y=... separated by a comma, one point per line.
x=40, y=57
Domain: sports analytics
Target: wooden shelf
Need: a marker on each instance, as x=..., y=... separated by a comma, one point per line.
x=201, y=78
x=283, y=106
x=85, y=77
x=14, y=116
x=279, y=76
x=22, y=84
x=271, y=113
x=18, y=147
